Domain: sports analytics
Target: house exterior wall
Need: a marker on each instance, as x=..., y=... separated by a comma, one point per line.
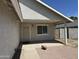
x=62, y=33
x=34, y=35
x=57, y=33
x=9, y=32
x=72, y=30
x=72, y=33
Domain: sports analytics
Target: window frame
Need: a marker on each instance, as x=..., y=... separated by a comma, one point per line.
x=41, y=25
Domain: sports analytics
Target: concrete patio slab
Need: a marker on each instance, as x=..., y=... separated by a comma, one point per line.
x=30, y=50
x=29, y=53
x=54, y=51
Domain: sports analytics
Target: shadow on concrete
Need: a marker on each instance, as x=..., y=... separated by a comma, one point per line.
x=19, y=48
x=42, y=41
x=17, y=52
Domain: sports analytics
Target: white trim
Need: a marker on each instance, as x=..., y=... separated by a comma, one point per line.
x=30, y=32
x=65, y=33
x=41, y=34
x=53, y=10
x=19, y=13
x=41, y=25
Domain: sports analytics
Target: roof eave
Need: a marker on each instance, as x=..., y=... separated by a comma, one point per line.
x=18, y=13
x=54, y=10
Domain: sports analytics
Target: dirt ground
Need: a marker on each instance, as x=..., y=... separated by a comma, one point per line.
x=71, y=42
x=58, y=52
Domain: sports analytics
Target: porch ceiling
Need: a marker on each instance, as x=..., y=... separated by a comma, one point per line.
x=34, y=12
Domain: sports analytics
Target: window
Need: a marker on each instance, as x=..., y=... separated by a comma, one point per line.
x=41, y=29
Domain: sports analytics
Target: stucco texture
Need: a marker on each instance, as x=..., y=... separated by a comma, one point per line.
x=9, y=31
x=29, y=32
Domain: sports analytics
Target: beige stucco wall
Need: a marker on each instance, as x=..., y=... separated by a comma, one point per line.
x=9, y=31
x=62, y=33
x=73, y=33
x=57, y=33
x=25, y=32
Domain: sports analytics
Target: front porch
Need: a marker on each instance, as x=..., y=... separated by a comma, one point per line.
x=40, y=32
x=37, y=32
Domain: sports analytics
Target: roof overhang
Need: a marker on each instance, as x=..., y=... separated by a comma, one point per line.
x=70, y=20
x=16, y=6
